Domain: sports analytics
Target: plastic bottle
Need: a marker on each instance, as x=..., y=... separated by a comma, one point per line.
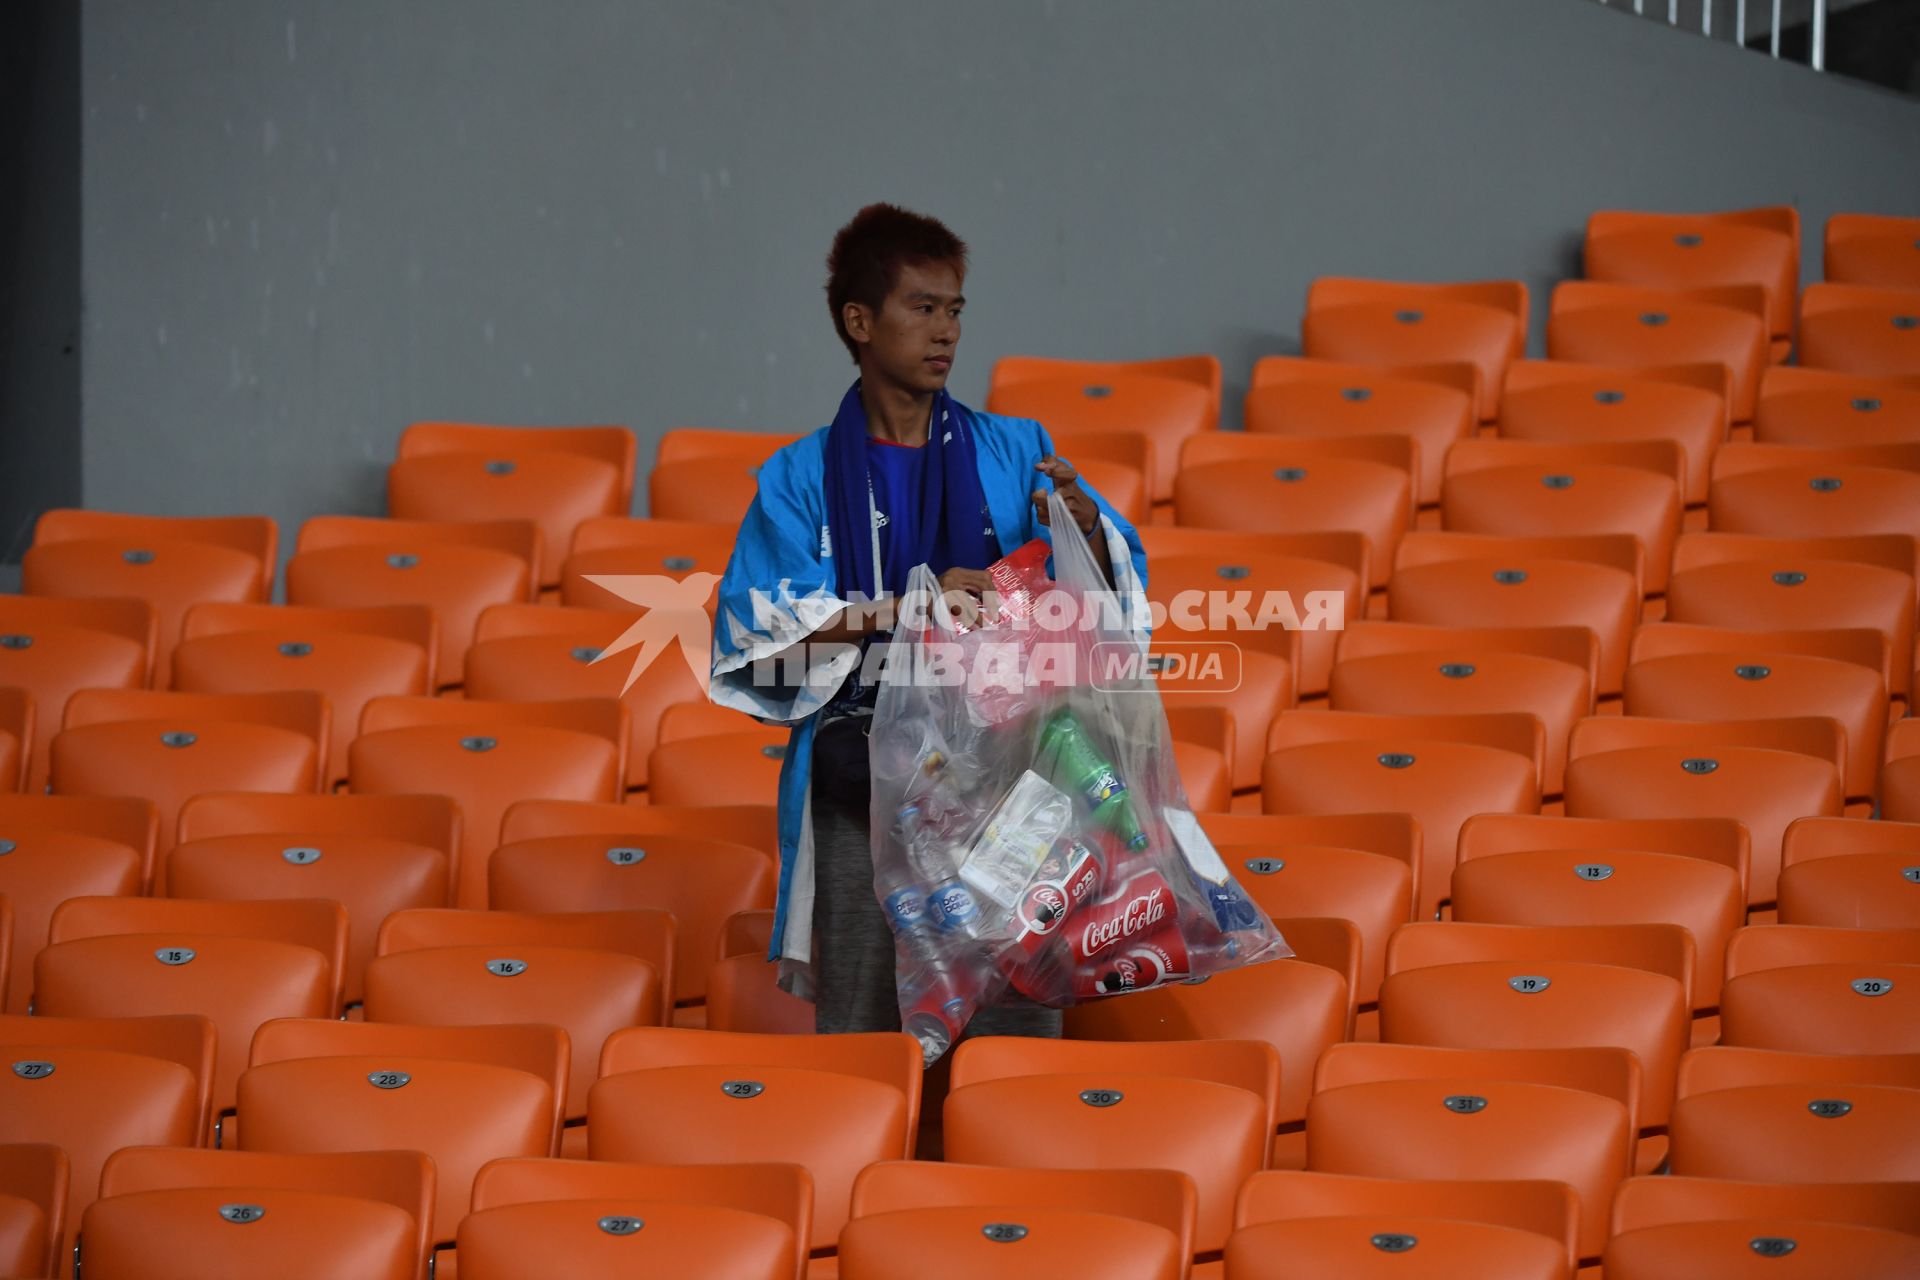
x=1067, y=754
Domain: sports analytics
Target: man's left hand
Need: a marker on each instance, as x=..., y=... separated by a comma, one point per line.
x=1066, y=483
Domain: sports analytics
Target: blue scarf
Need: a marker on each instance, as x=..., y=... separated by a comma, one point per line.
x=953, y=528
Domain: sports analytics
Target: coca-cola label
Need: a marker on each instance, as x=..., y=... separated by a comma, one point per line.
x=1082, y=885
x=1140, y=906
x=1045, y=907
x=1148, y=963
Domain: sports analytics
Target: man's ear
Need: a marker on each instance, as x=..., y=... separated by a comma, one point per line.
x=858, y=318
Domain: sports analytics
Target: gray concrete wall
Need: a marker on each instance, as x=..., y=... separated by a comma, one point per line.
x=39, y=269
x=309, y=222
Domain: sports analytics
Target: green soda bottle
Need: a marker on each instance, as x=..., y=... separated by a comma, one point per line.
x=1070, y=761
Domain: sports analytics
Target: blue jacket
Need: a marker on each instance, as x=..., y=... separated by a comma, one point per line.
x=779, y=588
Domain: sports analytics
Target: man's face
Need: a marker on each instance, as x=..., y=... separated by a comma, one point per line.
x=911, y=341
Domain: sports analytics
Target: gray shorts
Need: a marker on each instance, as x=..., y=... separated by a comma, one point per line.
x=852, y=943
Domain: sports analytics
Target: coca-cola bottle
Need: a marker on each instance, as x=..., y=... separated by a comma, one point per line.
x=935, y=1011
x=1154, y=960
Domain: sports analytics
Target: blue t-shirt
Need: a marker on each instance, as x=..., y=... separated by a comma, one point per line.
x=896, y=471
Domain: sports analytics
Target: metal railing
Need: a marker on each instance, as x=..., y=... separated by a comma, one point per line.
x=1817, y=23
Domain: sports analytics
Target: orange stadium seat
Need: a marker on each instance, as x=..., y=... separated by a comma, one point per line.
x=1164, y=1198
x=1199, y=1109
x=1900, y=775
x=623, y=1235
x=1407, y=668
x=743, y=994
x=456, y=568
x=961, y=1241
x=1715, y=1067
x=1165, y=399
x=613, y=547
x=1372, y=891
x=1236, y=707
x=16, y=737
x=50, y=648
x=1499, y=986
x=1747, y=1248
x=1547, y=1210
x=1693, y=250
x=833, y=1104
x=701, y=882
x=1857, y=646
x=1299, y=1008
x=1752, y=683
x=1479, y=580
x=752, y=825
x=171, y=562
x=1764, y=773
x=1844, y=873
x=90, y=1103
x=1206, y=591
x=1516, y=488
x=1662, y=1201
x=1812, y=1132
x=529, y=653
x=689, y=444
x=360, y=1213
x=700, y=762
x=1415, y=1112
x=168, y=747
x=1816, y=491
x=237, y=963
x=1808, y=989
x=1870, y=249
x=1691, y=872
x=1441, y=769
x=1751, y=582
x=1860, y=329
x=703, y=474
x=781, y=1192
x=349, y=655
x=486, y=756
x=1432, y=404
x=1826, y=407
x=1383, y=1244
x=1620, y=324
x=1254, y=484
x=553, y=476
x=591, y=973
x=1557, y=402
x=33, y=1206
x=42, y=869
x=372, y=854
x=186, y=1039
x=1397, y=323
x=459, y=1095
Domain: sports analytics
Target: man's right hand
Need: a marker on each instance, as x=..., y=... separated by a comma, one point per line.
x=967, y=594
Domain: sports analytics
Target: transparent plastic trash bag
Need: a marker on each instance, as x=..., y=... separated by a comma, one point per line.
x=1031, y=836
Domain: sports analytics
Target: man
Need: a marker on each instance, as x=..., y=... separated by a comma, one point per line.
x=905, y=475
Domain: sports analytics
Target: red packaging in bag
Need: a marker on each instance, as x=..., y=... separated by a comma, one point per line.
x=1142, y=904
x=1150, y=960
x=1154, y=960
